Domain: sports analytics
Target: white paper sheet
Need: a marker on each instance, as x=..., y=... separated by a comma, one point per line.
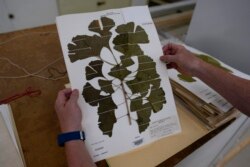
x=10, y=152
x=125, y=137
x=5, y=111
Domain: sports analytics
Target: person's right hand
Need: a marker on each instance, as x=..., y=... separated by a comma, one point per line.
x=68, y=111
x=178, y=57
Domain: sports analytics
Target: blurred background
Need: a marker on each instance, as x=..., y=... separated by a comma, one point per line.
x=21, y=14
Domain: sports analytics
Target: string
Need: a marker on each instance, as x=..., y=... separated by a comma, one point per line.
x=23, y=35
x=50, y=69
x=28, y=92
x=29, y=74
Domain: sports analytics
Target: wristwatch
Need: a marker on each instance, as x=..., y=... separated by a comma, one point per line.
x=64, y=137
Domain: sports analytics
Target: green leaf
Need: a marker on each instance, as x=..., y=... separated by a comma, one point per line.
x=84, y=46
x=107, y=25
x=119, y=72
x=106, y=112
x=157, y=98
x=106, y=109
x=94, y=69
x=143, y=113
x=125, y=28
x=186, y=78
x=106, y=122
x=207, y=59
x=147, y=84
x=126, y=62
x=90, y=94
x=146, y=76
x=128, y=39
x=143, y=119
x=106, y=86
x=212, y=61
x=129, y=50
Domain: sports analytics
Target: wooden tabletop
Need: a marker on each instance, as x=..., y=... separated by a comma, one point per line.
x=35, y=117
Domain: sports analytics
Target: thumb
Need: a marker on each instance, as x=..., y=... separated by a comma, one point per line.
x=74, y=95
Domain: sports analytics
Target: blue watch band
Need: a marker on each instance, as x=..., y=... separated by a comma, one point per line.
x=64, y=137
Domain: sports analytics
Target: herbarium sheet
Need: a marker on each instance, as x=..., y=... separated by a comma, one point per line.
x=112, y=58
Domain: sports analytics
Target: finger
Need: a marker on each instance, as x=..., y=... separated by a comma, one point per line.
x=167, y=58
x=171, y=65
x=167, y=49
x=74, y=95
x=62, y=96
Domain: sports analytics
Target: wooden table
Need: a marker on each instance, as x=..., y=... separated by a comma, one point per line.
x=35, y=117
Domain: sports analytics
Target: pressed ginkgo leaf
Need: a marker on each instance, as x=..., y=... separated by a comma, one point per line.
x=143, y=113
x=129, y=50
x=186, y=78
x=125, y=28
x=106, y=86
x=156, y=98
x=143, y=119
x=119, y=72
x=212, y=61
x=128, y=39
x=84, y=46
x=94, y=69
x=146, y=76
x=106, y=122
x=106, y=112
x=106, y=107
x=126, y=62
x=207, y=59
x=107, y=24
x=90, y=94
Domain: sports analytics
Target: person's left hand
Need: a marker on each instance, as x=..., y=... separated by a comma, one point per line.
x=68, y=111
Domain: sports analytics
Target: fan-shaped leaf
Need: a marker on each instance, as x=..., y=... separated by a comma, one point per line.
x=207, y=59
x=84, y=46
x=94, y=69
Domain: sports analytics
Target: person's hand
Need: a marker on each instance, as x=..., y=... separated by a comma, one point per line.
x=178, y=57
x=68, y=111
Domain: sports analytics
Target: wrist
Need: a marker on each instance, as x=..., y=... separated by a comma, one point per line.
x=198, y=67
x=70, y=137
x=70, y=128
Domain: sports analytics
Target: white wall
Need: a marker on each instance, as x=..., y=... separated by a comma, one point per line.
x=222, y=29
x=27, y=13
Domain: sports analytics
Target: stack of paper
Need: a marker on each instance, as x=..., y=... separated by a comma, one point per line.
x=11, y=153
x=210, y=107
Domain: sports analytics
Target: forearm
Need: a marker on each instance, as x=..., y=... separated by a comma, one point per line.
x=236, y=90
x=77, y=154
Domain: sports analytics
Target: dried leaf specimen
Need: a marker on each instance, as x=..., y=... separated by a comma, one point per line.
x=207, y=59
x=141, y=87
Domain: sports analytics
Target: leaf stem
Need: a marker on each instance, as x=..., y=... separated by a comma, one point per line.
x=99, y=57
x=113, y=56
x=124, y=94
